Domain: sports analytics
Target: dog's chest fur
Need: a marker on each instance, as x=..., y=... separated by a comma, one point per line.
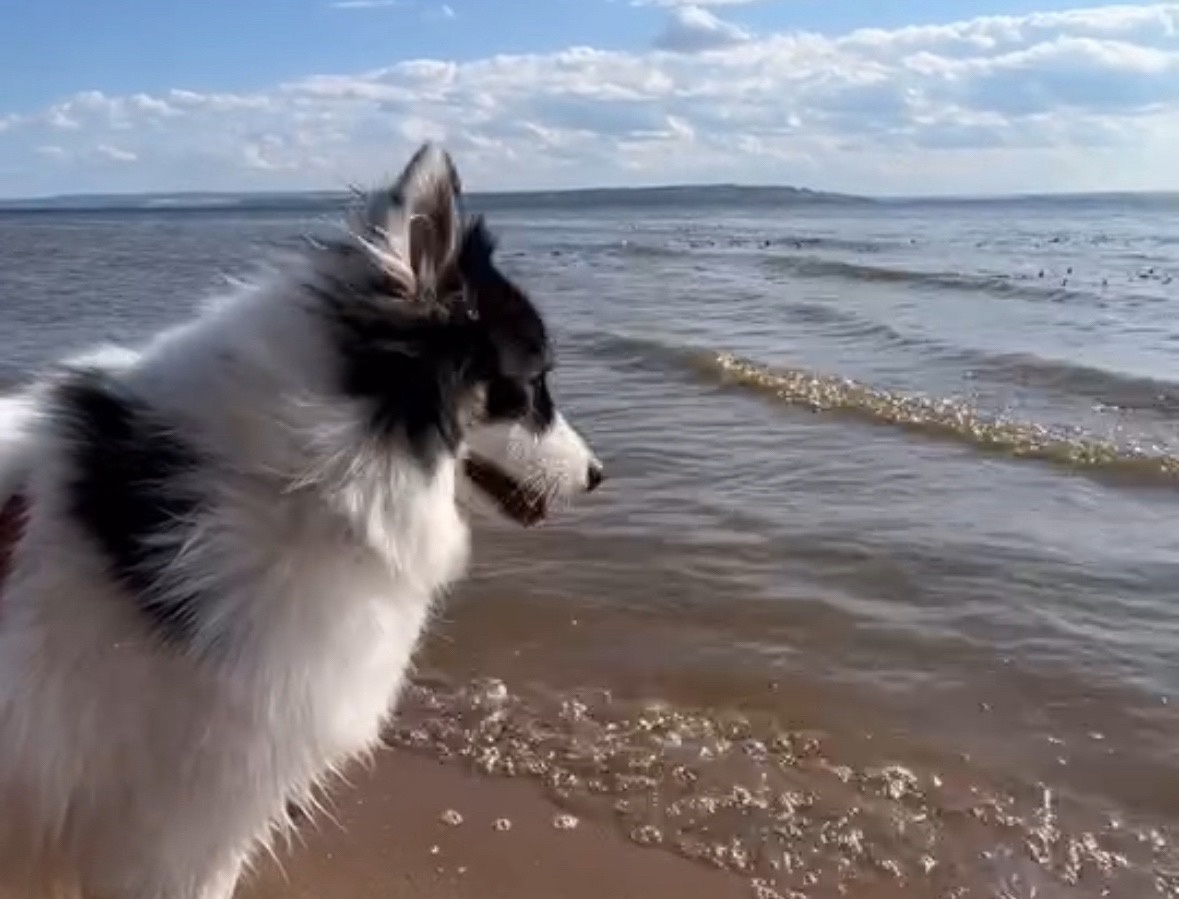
x=336, y=610
x=310, y=610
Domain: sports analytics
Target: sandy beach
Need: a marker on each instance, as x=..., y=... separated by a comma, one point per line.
x=390, y=840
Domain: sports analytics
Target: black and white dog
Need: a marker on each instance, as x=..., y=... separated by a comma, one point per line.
x=223, y=548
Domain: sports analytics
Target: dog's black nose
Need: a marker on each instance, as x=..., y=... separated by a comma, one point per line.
x=594, y=476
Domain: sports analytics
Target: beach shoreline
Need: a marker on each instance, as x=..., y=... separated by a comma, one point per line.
x=396, y=834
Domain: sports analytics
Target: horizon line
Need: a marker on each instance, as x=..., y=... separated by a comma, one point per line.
x=11, y=201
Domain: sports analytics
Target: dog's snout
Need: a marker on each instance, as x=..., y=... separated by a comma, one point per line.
x=594, y=477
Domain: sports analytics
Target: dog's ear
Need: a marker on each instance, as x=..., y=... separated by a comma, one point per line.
x=414, y=223
x=476, y=250
x=497, y=300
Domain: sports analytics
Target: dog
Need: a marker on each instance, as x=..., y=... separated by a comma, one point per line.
x=222, y=548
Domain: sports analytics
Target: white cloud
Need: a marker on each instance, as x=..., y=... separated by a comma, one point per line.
x=115, y=154
x=691, y=29
x=447, y=11
x=1082, y=99
x=669, y=4
x=60, y=119
x=364, y=4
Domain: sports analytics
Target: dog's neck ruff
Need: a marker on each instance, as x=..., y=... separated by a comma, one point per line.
x=13, y=518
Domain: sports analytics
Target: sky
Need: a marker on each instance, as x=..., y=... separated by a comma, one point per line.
x=881, y=97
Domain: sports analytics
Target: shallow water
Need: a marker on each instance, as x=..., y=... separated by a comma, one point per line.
x=880, y=598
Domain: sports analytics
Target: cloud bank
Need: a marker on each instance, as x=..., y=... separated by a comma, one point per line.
x=1084, y=99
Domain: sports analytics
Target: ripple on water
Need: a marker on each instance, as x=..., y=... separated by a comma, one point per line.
x=944, y=418
x=779, y=806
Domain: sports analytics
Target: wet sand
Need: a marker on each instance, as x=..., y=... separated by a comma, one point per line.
x=390, y=840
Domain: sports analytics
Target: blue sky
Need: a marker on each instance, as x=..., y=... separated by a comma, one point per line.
x=879, y=97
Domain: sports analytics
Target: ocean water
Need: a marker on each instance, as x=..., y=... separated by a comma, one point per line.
x=882, y=595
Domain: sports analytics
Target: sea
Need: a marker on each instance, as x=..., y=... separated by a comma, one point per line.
x=881, y=597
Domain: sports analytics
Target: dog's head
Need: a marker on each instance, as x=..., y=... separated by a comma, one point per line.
x=451, y=355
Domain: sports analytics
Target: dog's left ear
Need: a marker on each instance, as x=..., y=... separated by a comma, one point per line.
x=414, y=223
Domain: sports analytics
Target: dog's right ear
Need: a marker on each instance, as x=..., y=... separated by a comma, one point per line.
x=413, y=224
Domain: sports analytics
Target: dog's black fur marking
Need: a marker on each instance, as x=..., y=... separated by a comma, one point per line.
x=415, y=359
x=128, y=488
x=520, y=352
x=405, y=362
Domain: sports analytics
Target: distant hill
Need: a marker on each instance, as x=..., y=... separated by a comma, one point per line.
x=196, y=200
x=313, y=201
x=709, y=194
x=719, y=195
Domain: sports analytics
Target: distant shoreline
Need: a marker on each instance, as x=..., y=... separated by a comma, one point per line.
x=594, y=197
x=284, y=200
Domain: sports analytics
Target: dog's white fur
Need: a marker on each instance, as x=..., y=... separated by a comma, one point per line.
x=132, y=770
